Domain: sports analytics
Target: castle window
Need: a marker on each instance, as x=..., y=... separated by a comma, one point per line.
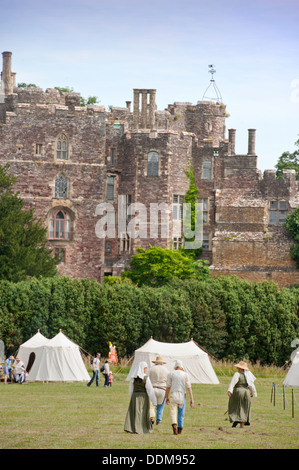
x=112, y=156
x=177, y=207
x=125, y=242
x=207, y=170
x=60, y=225
x=61, y=187
x=205, y=241
x=177, y=243
x=38, y=149
x=110, y=188
x=62, y=148
x=277, y=212
x=205, y=213
x=152, y=164
x=61, y=253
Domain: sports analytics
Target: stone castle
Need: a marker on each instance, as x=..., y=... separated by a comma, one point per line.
x=68, y=159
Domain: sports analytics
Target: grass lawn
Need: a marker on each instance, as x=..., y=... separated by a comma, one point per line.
x=74, y=416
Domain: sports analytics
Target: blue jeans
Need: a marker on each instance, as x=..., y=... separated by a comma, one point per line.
x=94, y=376
x=181, y=414
x=160, y=409
x=106, y=380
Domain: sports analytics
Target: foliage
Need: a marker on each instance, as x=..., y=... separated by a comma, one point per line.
x=292, y=226
x=156, y=266
x=288, y=161
x=26, y=85
x=83, y=101
x=228, y=317
x=23, y=241
x=191, y=197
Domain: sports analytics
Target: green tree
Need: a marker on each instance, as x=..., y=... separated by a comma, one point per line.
x=26, y=85
x=23, y=242
x=288, y=161
x=83, y=101
x=156, y=266
x=292, y=226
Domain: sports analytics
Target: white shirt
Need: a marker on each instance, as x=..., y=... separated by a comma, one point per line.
x=96, y=363
x=18, y=367
x=158, y=376
x=178, y=381
x=235, y=380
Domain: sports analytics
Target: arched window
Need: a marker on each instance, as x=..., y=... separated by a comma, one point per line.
x=60, y=225
x=61, y=187
x=152, y=164
x=62, y=147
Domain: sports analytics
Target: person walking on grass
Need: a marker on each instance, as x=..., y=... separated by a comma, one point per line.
x=141, y=393
x=240, y=391
x=177, y=382
x=96, y=370
x=158, y=376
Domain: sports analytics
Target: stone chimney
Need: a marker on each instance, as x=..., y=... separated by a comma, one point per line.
x=144, y=118
x=232, y=140
x=251, y=142
x=7, y=76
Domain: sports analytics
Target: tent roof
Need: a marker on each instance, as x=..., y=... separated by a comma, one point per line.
x=172, y=349
x=196, y=361
x=37, y=340
x=61, y=341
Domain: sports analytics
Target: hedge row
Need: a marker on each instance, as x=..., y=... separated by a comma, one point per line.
x=228, y=317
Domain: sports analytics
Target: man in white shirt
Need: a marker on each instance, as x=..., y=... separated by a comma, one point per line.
x=19, y=370
x=177, y=382
x=96, y=370
x=158, y=377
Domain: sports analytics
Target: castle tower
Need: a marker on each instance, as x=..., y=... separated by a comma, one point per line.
x=8, y=78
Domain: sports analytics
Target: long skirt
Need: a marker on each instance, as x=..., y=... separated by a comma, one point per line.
x=138, y=414
x=239, y=405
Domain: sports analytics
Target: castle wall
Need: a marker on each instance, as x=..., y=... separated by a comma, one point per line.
x=109, y=156
x=28, y=140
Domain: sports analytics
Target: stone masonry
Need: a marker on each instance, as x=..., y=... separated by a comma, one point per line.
x=70, y=159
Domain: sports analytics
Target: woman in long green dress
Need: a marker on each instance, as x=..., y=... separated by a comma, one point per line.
x=240, y=391
x=141, y=392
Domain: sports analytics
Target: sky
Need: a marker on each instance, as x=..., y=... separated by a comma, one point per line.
x=107, y=48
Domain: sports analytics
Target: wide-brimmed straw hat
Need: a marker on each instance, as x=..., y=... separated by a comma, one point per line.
x=159, y=360
x=242, y=365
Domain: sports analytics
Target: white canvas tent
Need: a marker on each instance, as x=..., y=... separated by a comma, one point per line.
x=56, y=360
x=196, y=361
x=30, y=347
x=292, y=377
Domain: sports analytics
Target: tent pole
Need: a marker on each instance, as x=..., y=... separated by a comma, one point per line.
x=292, y=403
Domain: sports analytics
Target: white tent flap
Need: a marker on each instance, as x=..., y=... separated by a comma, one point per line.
x=292, y=377
x=196, y=361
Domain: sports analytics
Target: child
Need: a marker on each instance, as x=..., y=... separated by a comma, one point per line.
x=110, y=379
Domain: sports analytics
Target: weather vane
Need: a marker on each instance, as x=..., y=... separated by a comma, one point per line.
x=212, y=87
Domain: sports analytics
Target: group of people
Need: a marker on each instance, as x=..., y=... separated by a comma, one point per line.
x=14, y=370
x=149, y=393
x=105, y=369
